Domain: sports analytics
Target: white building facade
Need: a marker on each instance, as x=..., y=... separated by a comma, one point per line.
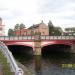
x=2, y=30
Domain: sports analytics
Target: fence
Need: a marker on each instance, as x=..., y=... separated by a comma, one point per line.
x=42, y=37
x=10, y=59
x=57, y=37
x=16, y=37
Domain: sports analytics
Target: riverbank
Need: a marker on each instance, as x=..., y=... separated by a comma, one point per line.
x=1, y=72
x=26, y=70
x=4, y=66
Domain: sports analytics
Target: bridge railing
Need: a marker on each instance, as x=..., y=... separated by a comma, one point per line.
x=10, y=59
x=57, y=37
x=33, y=37
x=16, y=37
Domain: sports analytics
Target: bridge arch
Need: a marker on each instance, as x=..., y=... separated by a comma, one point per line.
x=19, y=48
x=28, y=44
x=55, y=48
x=21, y=52
x=56, y=42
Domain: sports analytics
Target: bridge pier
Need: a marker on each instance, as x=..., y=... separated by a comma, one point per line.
x=37, y=45
x=73, y=47
x=37, y=48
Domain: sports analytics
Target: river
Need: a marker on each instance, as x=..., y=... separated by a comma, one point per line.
x=55, y=64
x=51, y=64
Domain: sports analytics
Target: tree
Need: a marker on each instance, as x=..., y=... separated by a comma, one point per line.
x=22, y=26
x=11, y=32
x=57, y=31
x=17, y=27
x=51, y=28
x=54, y=30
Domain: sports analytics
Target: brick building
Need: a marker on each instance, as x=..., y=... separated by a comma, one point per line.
x=21, y=32
x=41, y=28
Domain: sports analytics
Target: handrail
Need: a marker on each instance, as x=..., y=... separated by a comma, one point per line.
x=16, y=38
x=10, y=59
x=57, y=37
x=42, y=37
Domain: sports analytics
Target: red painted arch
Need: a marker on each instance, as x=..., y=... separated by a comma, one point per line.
x=19, y=43
x=46, y=43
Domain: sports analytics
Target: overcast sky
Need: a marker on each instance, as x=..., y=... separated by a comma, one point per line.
x=29, y=12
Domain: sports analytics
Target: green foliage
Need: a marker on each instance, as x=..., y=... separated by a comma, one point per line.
x=54, y=30
x=51, y=28
x=11, y=32
x=57, y=32
x=17, y=27
x=22, y=26
x=5, y=65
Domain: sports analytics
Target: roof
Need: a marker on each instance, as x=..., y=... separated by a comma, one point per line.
x=36, y=25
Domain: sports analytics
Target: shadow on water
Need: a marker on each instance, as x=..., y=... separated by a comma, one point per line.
x=38, y=66
x=23, y=57
x=47, y=64
x=58, y=53
x=21, y=53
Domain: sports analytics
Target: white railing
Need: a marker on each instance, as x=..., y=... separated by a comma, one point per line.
x=14, y=38
x=57, y=37
x=10, y=59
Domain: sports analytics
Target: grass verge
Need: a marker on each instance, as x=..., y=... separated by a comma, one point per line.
x=5, y=65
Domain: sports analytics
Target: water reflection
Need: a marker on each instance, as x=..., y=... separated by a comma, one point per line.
x=38, y=65
x=54, y=64
x=48, y=64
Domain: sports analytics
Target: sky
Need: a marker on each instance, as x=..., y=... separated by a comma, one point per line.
x=29, y=12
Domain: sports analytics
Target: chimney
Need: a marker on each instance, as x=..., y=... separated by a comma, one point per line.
x=42, y=21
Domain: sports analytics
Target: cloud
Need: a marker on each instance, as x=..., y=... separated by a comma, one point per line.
x=60, y=12
x=54, y=5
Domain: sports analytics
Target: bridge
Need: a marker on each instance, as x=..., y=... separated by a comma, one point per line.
x=37, y=42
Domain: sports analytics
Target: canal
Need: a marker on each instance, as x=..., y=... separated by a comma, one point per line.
x=55, y=60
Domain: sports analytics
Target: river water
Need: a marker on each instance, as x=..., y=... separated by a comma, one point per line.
x=53, y=63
